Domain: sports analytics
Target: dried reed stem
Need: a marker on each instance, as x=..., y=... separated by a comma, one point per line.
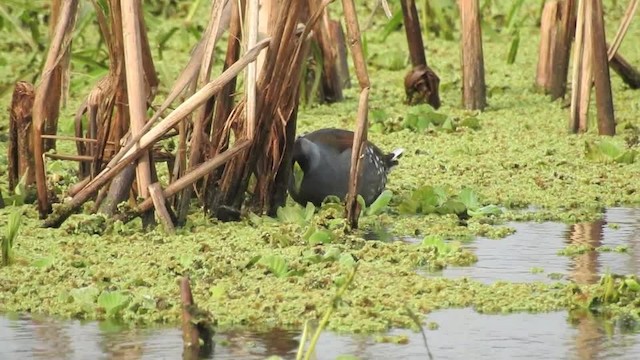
x=360, y=136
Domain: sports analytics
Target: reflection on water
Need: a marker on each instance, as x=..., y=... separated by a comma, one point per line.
x=535, y=246
x=462, y=333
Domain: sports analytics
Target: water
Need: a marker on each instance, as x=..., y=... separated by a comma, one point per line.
x=534, y=247
x=462, y=333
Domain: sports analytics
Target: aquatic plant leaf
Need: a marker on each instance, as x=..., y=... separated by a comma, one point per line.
x=309, y=211
x=451, y=207
x=471, y=122
x=298, y=175
x=628, y=157
x=291, y=214
x=218, y=291
x=85, y=295
x=113, y=301
x=44, y=262
x=252, y=261
x=632, y=284
x=347, y=260
x=486, y=211
x=469, y=198
x=513, y=48
x=392, y=25
x=448, y=125
x=276, y=265
x=608, y=150
x=380, y=203
x=320, y=237
x=332, y=254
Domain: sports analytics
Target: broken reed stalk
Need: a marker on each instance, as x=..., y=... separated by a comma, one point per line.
x=20, y=151
x=328, y=43
x=473, y=82
x=622, y=30
x=59, y=82
x=128, y=154
x=560, y=63
x=421, y=82
x=360, y=137
x=224, y=104
x=159, y=203
x=581, y=76
x=250, y=80
x=604, y=99
x=190, y=332
x=586, y=73
x=548, y=38
x=625, y=70
x=199, y=172
x=276, y=103
x=135, y=87
x=46, y=94
x=203, y=113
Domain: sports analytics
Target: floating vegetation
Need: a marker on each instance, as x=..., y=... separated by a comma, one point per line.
x=609, y=151
x=420, y=118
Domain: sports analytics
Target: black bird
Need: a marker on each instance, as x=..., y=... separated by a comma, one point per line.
x=325, y=159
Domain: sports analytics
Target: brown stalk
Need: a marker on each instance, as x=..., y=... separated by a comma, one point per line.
x=581, y=77
x=190, y=333
x=136, y=87
x=20, y=151
x=159, y=203
x=352, y=207
x=197, y=173
x=203, y=112
x=421, y=82
x=548, y=38
x=586, y=73
x=59, y=80
x=560, y=66
x=224, y=104
x=604, y=99
x=625, y=70
x=622, y=30
x=46, y=94
x=275, y=74
x=473, y=82
x=148, y=138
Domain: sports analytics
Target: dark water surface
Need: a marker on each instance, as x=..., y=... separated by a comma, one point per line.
x=462, y=333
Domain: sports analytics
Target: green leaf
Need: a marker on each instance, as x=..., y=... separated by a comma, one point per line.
x=380, y=203
x=628, y=157
x=276, y=265
x=486, y=211
x=219, y=291
x=85, y=296
x=632, y=284
x=513, y=48
x=451, y=207
x=320, y=237
x=298, y=175
x=392, y=25
x=309, y=211
x=469, y=198
x=347, y=260
x=44, y=262
x=471, y=123
x=113, y=301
